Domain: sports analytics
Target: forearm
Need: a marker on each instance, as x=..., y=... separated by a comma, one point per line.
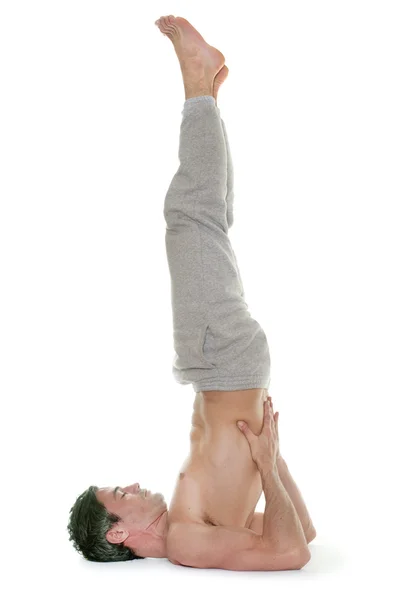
x=296, y=497
x=281, y=524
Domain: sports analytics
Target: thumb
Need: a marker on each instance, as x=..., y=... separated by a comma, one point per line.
x=243, y=426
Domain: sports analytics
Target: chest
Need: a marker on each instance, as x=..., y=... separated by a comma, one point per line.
x=224, y=494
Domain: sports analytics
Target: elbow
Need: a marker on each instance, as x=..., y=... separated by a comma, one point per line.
x=310, y=535
x=304, y=558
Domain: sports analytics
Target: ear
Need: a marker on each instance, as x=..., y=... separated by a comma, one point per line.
x=116, y=536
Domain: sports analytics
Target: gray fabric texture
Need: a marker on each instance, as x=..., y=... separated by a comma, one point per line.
x=218, y=345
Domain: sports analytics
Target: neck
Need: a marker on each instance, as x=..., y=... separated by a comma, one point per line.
x=153, y=543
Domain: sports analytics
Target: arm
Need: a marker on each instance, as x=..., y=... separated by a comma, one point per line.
x=281, y=524
x=256, y=524
x=296, y=497
x=231, y=548
x=292, y=489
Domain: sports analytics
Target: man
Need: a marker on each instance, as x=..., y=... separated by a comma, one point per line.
x=223, y=352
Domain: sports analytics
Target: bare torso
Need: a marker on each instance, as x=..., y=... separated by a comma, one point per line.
x=218, y=483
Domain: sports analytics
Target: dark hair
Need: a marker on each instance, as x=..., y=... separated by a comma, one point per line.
x=88, y=523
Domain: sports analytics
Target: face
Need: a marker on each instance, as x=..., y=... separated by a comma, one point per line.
x=137, y=508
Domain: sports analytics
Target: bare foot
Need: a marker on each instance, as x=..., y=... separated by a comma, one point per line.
x=219, y=79
x=199, y=61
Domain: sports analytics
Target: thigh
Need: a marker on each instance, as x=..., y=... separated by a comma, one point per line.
x=218, y=345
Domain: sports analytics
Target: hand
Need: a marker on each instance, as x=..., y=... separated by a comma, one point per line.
x=276, y=419
x=263, y=447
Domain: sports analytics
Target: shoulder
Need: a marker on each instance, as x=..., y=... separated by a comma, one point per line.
x=177, y=535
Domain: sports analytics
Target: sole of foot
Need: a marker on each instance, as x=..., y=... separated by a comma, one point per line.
x=191, y=48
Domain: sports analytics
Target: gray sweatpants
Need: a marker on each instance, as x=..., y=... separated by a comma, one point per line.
x=218, y=345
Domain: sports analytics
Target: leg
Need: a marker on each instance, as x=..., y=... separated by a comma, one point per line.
x=230, y=198
x=217, y=343
x=230, y=180
x=196, y=218
x=218, y=81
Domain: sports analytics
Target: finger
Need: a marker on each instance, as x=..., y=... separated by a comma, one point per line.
x=272, y=405
x=266, y=410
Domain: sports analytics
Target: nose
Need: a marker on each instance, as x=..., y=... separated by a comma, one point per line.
x=132, y=489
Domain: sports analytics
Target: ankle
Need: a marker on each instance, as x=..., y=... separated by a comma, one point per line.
x=195, y=92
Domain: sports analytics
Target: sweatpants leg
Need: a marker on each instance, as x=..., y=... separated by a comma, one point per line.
x=230, y=195
x=218, y=345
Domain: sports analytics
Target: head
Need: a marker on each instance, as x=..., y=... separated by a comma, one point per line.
x=112, y=524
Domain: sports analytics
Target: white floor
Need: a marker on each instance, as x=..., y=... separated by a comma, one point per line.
x=335, y=571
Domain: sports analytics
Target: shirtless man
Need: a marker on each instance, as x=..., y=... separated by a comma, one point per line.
x=223, y=352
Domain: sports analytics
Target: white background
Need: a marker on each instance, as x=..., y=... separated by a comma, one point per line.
x=91, y=100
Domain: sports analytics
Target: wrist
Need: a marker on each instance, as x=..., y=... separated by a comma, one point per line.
x=269, y=472
x=280, y=462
